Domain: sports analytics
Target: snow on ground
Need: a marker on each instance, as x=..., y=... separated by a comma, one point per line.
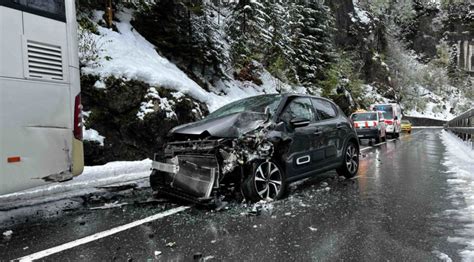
x=437, y=107
x=92, y=135
x=129, y=55
x=442, y=256
x=459, y=160
x=92, y=177
x=362, y=15
x=370, y=92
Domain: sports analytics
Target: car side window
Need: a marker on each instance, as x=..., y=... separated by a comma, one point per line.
x=324, y=108
x=298, y=108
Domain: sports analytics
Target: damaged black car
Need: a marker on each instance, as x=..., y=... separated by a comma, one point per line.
x=254, y=147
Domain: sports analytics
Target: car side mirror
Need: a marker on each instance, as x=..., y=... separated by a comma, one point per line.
x=382, y=120
x=395, y=118
x=299, y=122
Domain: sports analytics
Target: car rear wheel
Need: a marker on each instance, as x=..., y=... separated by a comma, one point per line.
x=266, y=182
x=378, y=138
x=350, y=165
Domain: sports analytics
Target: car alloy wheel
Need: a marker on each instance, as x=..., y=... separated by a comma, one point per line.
x=268, y=180
x=352, y=159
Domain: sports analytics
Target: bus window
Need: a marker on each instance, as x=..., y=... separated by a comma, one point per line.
x=54, y=9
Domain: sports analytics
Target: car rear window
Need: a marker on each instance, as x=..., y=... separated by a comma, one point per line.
x=386, y=109
x=364, y=116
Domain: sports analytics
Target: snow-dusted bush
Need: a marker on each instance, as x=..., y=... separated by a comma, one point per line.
x=89, y=48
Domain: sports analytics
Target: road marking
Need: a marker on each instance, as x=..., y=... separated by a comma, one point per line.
x=365, y=148
x=100, y=235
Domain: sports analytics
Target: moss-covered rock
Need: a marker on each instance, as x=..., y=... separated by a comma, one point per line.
x=114, y=112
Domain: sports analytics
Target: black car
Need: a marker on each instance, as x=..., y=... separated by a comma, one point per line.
x=253, y=147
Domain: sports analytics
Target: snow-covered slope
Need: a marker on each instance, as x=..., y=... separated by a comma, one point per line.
x=129, y=55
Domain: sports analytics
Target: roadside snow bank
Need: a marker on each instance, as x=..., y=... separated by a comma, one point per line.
x=459, y=159
x=92, y=177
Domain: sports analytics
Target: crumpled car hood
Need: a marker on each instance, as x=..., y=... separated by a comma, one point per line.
x=229, y=126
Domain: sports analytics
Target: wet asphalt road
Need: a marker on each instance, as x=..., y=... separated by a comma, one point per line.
x=392, y=211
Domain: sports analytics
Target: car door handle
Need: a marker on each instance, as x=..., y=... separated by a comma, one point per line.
x=339, y=126
x=318, y=132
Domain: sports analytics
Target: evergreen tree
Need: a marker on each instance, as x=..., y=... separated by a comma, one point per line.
x=247, y=30
x=278, y=51
x=312, y=42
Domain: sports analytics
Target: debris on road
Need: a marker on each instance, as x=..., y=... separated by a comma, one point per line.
x=313, y=229
x=110, y=205
x=119, y=187
x=197, y=256
x=157, y=253
x=170, y=244
x=7, y=233
x=324, y=184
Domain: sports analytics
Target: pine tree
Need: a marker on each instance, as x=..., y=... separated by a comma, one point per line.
x=247, y=29
x=311, y=33
x=278, y=51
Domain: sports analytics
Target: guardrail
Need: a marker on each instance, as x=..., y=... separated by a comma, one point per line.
x=462, y=125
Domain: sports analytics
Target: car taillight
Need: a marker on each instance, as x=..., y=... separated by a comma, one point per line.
x=356, y=125
x=375, y=123
x=388, y=122
x=78, y=118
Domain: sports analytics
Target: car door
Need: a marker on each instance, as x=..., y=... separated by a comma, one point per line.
x=303, y=152
x=332, y=128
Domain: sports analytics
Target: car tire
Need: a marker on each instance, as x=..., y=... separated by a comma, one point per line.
x=378, y=138
x=267, y=181
x=350, y=161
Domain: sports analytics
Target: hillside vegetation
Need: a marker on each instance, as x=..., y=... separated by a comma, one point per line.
x=170, y=62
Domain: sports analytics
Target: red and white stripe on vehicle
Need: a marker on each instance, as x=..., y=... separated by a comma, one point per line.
x=365, y=124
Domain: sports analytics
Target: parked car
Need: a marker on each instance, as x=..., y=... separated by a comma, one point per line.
x=406, y=126
x=393, y=116
x=370, y=125
x=254, y=147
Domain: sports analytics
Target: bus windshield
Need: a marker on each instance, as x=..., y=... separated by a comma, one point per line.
x=387, y=110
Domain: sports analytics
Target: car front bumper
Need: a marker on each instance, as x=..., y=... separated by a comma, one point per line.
x=189, y=177
x=406, y=128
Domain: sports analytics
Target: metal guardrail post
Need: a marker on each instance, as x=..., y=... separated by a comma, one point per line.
x=462, y=125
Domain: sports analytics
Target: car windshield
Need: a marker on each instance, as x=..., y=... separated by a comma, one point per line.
x=405, y=122
x=386, y=110
x=364, y=116
x=252, y=104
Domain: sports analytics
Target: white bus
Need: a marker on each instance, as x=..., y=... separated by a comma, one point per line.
x=392, y=113
x=40, y=103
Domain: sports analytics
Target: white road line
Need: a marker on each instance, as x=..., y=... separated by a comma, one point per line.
x=100, y=235
x=365, y=148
